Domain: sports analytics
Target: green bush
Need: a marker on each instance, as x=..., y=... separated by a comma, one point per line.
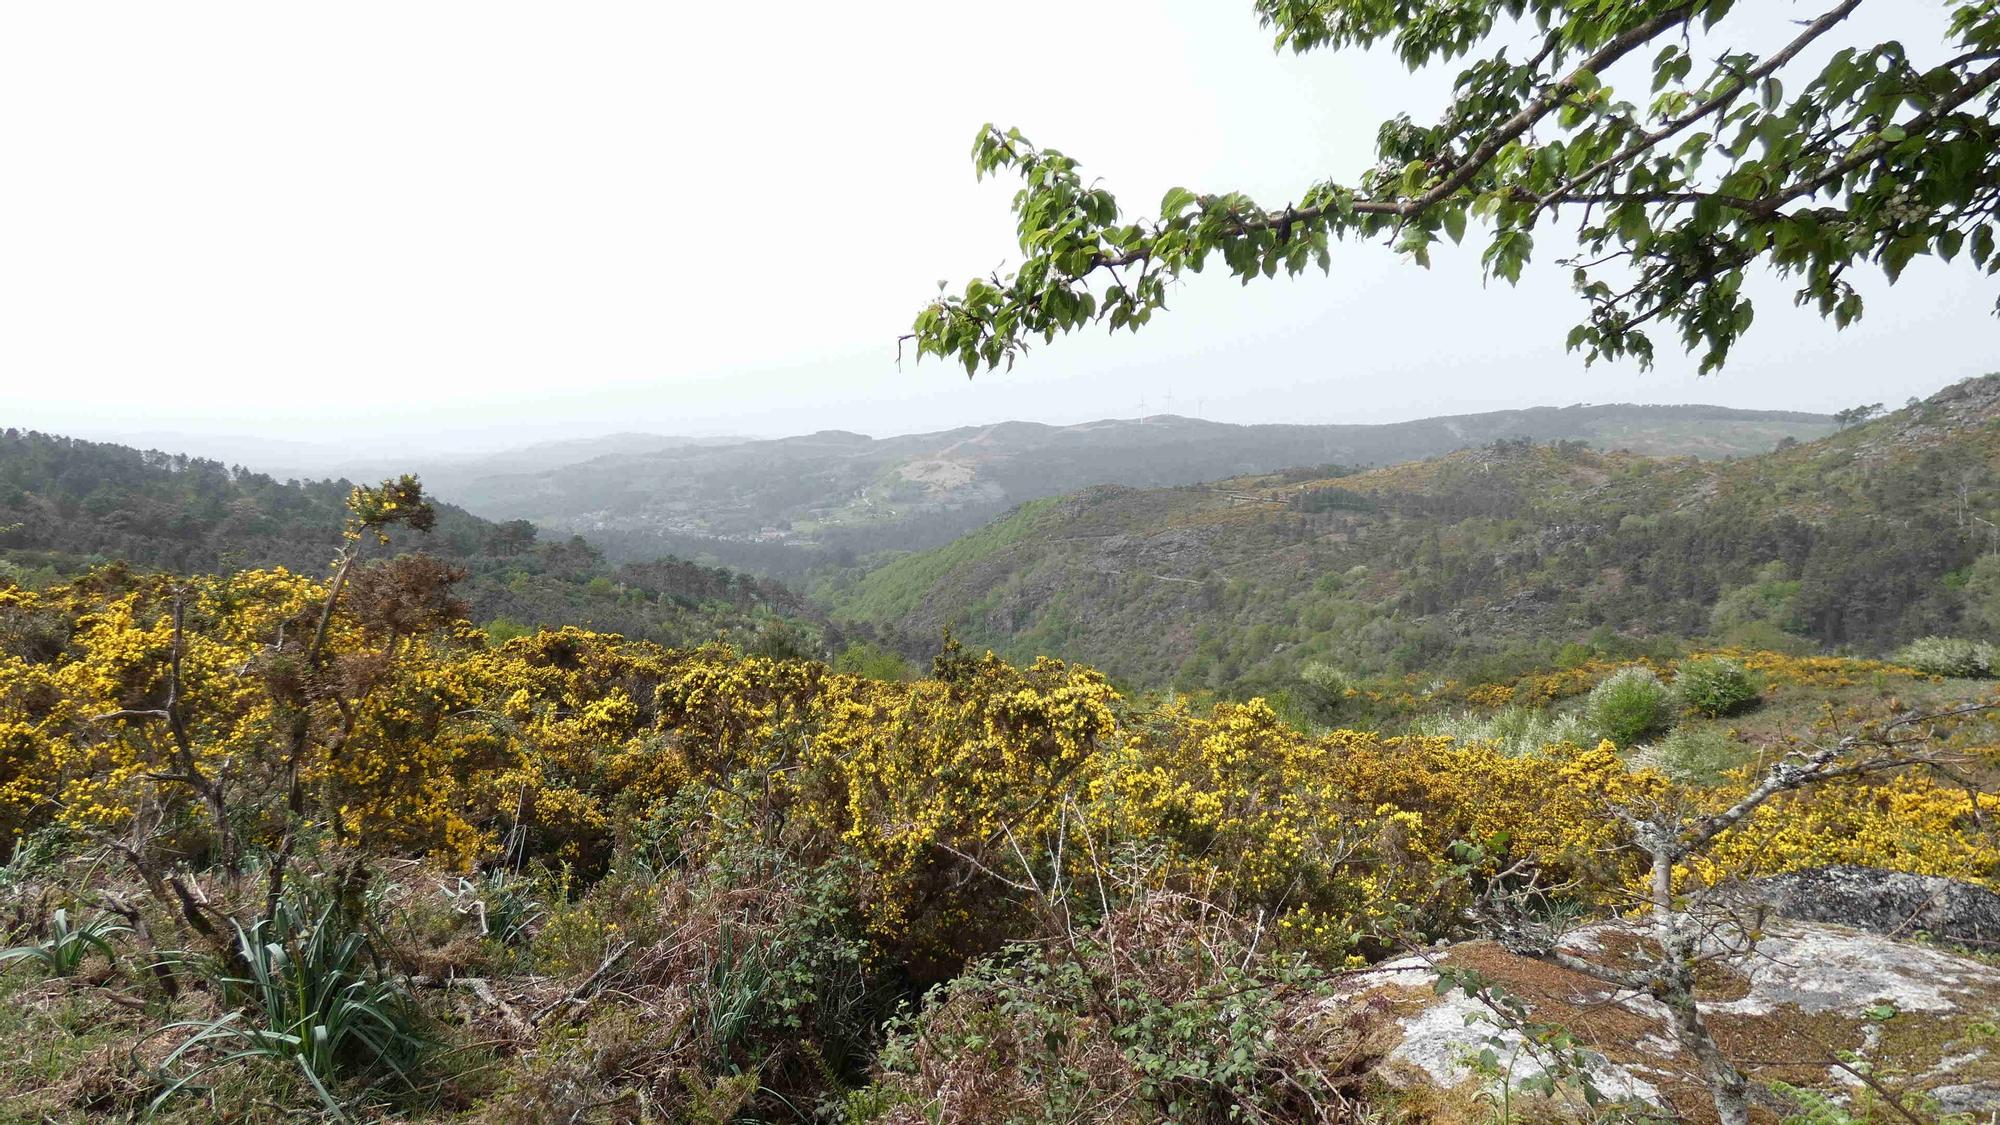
x=1700, y=756
x=1513, y=730
x=873, y=662
x=1713, y=686
x=1322, y=690
x=1768, y=606
x=1629, y=705
x=1948, y=656
x=500, y=630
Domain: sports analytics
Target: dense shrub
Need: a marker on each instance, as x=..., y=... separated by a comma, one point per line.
x=748, y=961
x=1165, y=1011
x=1688, y=754
x=1713, y=686
x=1513, y=730
x=1322, y=690
x=1948, y=656
x=723, y=871
x=1342, y=835
x=1910, y=822
x=1629, y=705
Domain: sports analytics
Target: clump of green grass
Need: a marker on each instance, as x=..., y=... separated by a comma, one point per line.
x=64, y=951
x=305, y=991
x=1514, y=730
x=1699, y=755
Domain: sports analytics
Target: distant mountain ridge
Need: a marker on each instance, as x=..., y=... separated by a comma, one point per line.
x=309, y=461
x=1481, y=557
x=781, y=506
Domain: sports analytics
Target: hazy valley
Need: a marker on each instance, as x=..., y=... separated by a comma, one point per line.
x=784, y=506
x=529, y=594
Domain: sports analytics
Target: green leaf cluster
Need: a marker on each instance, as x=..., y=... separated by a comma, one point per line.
x=1875, y=158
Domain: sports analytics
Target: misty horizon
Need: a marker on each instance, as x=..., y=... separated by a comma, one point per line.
x=454, y=257
x=269, y=455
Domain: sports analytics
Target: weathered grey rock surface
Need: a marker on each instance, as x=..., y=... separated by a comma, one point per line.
x=1883, y=902
x=1811, y=994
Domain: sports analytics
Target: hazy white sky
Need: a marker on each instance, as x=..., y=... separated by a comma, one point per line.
x=479, y=222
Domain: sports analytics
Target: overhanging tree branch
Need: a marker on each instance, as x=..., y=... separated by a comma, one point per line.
x=1686, y=232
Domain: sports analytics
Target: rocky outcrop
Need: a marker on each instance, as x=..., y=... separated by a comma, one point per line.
x=1810, y=1003
x=1883, y=902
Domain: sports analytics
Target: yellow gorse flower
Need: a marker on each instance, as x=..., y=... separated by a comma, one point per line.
x=560, y=743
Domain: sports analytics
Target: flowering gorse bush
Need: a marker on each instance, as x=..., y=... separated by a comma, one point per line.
x=1789, y=670
x=1909, y=823
x=950, y=793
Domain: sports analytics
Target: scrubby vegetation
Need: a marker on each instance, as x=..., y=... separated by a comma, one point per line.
x=68, y=505
x=496, y=831
x=1713, y=686
x=282, y=841
x=1948, y=656
x=1629, y=705
x=1514, y=729
x=1483, y=565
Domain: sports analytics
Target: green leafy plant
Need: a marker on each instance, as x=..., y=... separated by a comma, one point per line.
x=505, y=905
x=1948, y=656
x=1736, y=159
x=64, y=951
x=784, y=968
x=306, y=991
x=1714, y=686
x=34, y=853
x=1629, y=705
x=730, y=995
x=1514, y=729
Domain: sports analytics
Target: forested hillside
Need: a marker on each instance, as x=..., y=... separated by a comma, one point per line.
x=1482, y=560
x=786, y=506
x=66, y=505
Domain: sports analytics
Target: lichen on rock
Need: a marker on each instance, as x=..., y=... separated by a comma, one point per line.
x=1884, y=902
x=1810, y=1001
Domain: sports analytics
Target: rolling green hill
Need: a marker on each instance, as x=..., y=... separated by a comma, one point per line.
x=786, y=506
x=66, y=505
x=1477, y=561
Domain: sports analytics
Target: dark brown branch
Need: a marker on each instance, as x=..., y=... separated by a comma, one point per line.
x=1921, y=123
x=300, y=734
x=1543, y=105
x=1483, y=154
x=1715, y=104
